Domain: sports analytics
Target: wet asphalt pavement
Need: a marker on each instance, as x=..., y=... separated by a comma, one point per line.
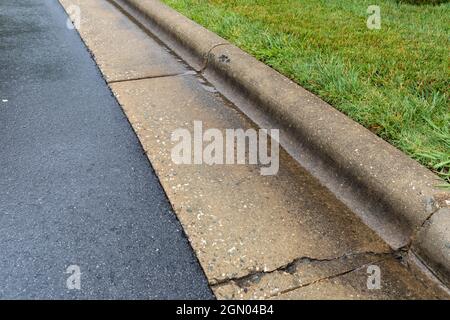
x=75, y=186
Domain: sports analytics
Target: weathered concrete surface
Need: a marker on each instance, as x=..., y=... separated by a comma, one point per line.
x=392, y=193
x=397, y=282
x=359, y=167
x=239, y=222
x=121, y=55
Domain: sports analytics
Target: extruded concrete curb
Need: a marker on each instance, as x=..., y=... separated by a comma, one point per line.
x=373, y=178
x=433, y=244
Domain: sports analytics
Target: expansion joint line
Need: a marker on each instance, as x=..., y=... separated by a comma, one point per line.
x=145, y=78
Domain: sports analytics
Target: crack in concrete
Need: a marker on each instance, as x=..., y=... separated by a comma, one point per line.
x=291, y=267
x=413, y=236
x=329, y=277
x=438, y=201
x=206, y=59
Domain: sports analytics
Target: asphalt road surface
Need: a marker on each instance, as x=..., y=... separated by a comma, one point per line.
x=76, y=191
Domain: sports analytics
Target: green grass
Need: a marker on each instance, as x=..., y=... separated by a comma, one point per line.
x=394, y=81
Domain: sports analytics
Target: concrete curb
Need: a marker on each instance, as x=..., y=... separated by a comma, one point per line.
x=432, y=244
x=392, y=193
